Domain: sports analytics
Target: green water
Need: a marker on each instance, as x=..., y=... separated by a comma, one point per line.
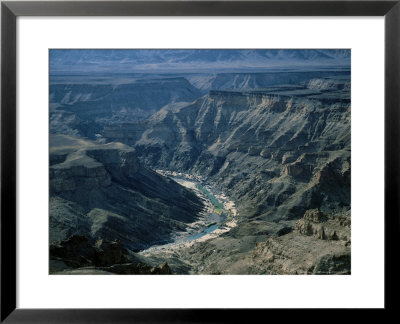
x=201, y=234
x=217, y=205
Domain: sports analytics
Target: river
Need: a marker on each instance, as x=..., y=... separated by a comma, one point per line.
x=218, y=216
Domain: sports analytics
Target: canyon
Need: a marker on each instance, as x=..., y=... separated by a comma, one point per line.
x=140, y=163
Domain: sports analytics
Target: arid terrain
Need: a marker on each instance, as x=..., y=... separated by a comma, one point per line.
x=200, y=172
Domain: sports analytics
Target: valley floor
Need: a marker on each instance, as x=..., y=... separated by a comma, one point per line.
x=218, y=217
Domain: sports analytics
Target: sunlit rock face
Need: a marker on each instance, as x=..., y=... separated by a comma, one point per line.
x=278, y=153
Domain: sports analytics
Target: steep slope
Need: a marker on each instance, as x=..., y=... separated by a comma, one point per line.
x=277, y=153
x=318, y=243
x=80, y=107
x=102, y=191
x=282, y=154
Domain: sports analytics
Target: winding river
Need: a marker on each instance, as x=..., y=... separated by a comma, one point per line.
x=219, y=215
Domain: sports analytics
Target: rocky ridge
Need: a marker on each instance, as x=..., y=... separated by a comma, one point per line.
x=319, y=244
x=281, y=152
x=102, y=191
x=83, y=108
x=274, y=154
x=262, y=80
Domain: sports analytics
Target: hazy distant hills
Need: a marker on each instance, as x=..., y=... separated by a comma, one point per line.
x=131, y=61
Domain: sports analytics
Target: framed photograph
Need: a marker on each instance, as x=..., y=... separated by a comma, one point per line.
x=168, y=161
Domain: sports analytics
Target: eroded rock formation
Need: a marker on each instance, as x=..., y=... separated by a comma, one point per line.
x=319, y=244
x=102, y=191
x=79, y=254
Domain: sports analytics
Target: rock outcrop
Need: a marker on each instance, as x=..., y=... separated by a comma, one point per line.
x=84, y=107
x=103, y=192
x=252, y=81
x=79, y=254
x=319, y=244
x=324, y=227
x=234, y=137
x=329, y=84
x=76, y=251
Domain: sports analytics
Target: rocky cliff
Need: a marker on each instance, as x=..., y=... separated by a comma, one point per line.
x=282, y=154
x=82, y=107
x=317, y=243
x=103, y=192
x=278, y=145
x=277, y=153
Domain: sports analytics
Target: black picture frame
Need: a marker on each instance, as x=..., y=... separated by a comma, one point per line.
x=10, y=10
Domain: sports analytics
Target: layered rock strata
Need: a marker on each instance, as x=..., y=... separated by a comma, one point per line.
x=103, y=192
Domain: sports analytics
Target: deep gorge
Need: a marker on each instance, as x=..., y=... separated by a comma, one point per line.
x=279, y=146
